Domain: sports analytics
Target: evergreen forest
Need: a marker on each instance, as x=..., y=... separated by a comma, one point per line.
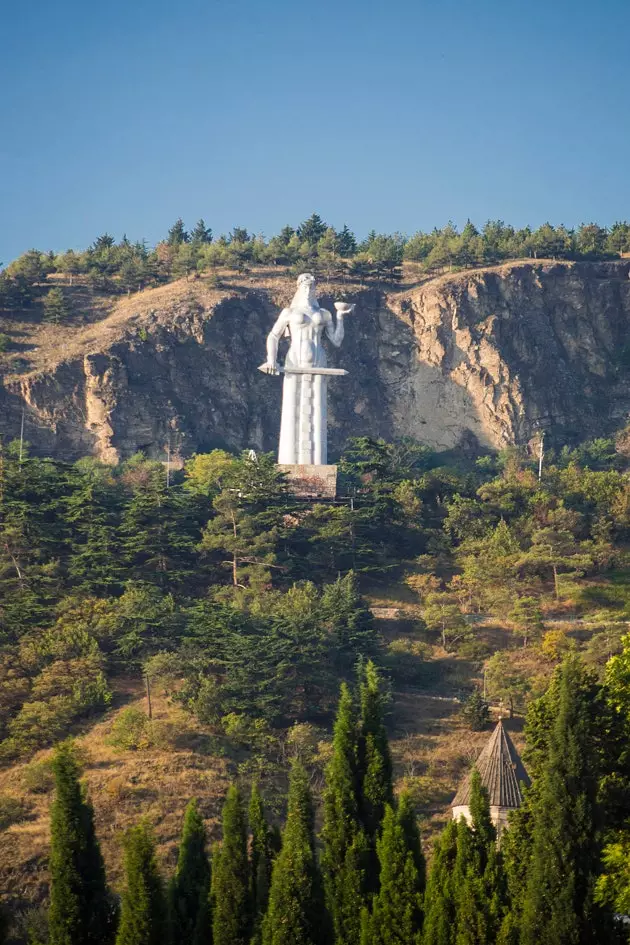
x=34, y=283
x=209, y=607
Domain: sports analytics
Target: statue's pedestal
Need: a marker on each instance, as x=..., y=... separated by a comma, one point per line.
x=311, y=482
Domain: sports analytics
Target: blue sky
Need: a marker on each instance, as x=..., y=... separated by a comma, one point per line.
x=394, y=115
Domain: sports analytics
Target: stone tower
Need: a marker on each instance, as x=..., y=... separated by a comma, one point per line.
x=502, y=773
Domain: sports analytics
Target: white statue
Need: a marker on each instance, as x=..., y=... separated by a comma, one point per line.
x=304, y=396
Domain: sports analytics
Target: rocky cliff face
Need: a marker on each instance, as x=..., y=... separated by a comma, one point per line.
x=493, y=354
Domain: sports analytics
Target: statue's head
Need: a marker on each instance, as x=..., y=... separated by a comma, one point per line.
x=306, y=280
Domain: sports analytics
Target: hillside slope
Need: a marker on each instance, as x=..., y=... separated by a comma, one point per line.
x=495, y=353
x=431, y=744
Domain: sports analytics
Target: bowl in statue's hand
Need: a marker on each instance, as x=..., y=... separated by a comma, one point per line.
x=344, y=308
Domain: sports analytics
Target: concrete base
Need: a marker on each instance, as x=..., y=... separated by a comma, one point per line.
x=311, y=482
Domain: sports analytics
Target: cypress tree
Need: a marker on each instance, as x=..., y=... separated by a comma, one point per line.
x=143, y=917
x=482, y=891
x=375, y=757
x=516, y=846
x=484, y=833
x=559, y=908
x=231, y=888
x=409, y=823
x=343, y=845
x=261, y=858
x=297, y=913
x=396, y=911
x=190, y=887
x=350, y=892
x=375, y=766
x=81, y=909
x=470, y=919
x=439, y=899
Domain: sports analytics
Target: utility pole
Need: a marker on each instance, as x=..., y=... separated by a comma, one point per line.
x=354, y=544
x=22, y=436
x=541, y=453
x=148, y=687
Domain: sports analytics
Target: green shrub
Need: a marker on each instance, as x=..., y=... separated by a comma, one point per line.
x=131, y=731
x=12, y=811
x=5, y=341
x=405, y=659
x=38, y=776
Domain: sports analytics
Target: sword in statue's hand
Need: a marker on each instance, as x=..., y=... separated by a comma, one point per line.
x=276, y=369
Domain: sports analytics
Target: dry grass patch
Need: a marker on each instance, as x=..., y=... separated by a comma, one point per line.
x=155, y=782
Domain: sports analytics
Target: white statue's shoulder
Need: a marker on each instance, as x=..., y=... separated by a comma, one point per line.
x=281, y=323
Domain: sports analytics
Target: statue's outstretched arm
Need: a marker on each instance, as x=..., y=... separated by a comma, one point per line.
x=334, y=332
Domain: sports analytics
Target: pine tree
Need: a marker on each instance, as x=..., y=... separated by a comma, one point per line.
x=190, y=887
x=396, y=911
x=177, y=234
x=157, y=528
x=55, y=306
x=439, y=900
x=143, y=916
x=375, y=765
x=231, y=890
x=342, y=835
x=297, y=913
x=201, y=233
x=346, y=242
x=312, y=230
x=261, y=860
x=476, y=711
x=348, y=619
x=92, y=509
x=81, y=908
x=559, y=907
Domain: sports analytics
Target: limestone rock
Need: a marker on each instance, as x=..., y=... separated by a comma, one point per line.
x=493, y=354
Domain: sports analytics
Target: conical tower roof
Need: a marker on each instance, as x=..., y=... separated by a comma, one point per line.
x=501, y=771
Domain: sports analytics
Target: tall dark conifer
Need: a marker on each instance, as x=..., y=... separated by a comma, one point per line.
x=375, y=765
x=261, y=860
x=231, y=889
x=189, y=889
x=440, y=896
x=143, y=915
x=341, y=831
x=470, y=924
x=297, y=913
x=559, y=908
x=158, y=530
x=375, y=762
x=92, y=510
x=516, y=844
x=81, y=909
x=397, y=908
x=483, y=888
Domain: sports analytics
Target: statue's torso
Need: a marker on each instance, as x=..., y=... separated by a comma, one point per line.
x=306, y=327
